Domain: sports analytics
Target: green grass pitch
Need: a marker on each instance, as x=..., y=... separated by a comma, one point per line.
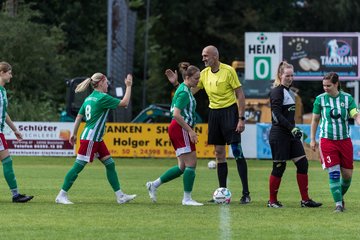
x=96, y=215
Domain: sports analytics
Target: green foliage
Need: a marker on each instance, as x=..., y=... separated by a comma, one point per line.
x=35, y=108
x=46, y=45
x=65, y=39
x=180, y=29
x=96, y=215
x=31, y=49
x=84, y=24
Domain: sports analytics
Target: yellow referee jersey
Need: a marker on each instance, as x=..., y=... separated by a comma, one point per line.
x=220, y=86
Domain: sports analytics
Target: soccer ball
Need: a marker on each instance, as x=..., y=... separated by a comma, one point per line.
x=212, y=164
x=222, y=196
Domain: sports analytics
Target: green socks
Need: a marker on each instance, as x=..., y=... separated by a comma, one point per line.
x=171, y=174
x=338, y=188
x=79, y=166
x=345, y=184
x=111, y=174
x=73, y=174
x=9, y=172
x=188, y=178
x=335, y=189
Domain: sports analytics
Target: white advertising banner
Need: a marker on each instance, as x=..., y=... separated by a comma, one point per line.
x=41, y=139
x=262, y=55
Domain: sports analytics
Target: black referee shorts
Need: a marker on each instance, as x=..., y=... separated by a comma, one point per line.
x=222, y=125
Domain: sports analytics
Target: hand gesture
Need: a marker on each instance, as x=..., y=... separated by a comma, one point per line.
x=193, y=137
x=172, y=76
x=313, y=145
x=129, y=80
x=18, y=135
x=72, y=140
x=240, y=127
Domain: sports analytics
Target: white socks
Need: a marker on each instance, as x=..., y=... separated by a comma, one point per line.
x=157, y=183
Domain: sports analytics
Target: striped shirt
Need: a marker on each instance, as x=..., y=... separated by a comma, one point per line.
x=3, y=107
x=335, y=113
x=185, y=101
x=96, y=108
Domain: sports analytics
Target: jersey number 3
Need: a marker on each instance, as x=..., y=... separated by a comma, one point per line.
x=328, y=159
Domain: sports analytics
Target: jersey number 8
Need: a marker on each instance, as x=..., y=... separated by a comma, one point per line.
x=88, y=112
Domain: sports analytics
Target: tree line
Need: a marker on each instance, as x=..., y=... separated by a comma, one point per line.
x=48, y=42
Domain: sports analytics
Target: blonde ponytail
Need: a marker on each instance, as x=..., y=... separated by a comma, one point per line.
x=83, y=85
x=94, y=80
x=282, y=66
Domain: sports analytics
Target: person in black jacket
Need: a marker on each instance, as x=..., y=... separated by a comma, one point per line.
x=285, y=138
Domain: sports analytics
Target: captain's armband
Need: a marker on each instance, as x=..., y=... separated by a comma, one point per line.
x=353, y=112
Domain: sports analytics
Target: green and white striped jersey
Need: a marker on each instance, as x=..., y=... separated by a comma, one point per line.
x=185, y=101
x=335, y=113
x=95, y=109
x=3, y=107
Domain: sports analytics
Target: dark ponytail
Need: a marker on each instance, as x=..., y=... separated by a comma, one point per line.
x=187, y=70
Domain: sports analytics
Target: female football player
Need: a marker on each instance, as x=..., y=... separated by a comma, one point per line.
x=182, y=136
x=95, y=110
x=285, y=138
x=334, y=108
x=5, y=77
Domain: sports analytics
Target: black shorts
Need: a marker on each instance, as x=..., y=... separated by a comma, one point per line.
x=284, y=146
x=222, y=126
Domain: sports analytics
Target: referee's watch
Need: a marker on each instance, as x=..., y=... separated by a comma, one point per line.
x=242, y=118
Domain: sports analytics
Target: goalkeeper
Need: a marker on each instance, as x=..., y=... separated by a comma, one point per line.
x=285, y=138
